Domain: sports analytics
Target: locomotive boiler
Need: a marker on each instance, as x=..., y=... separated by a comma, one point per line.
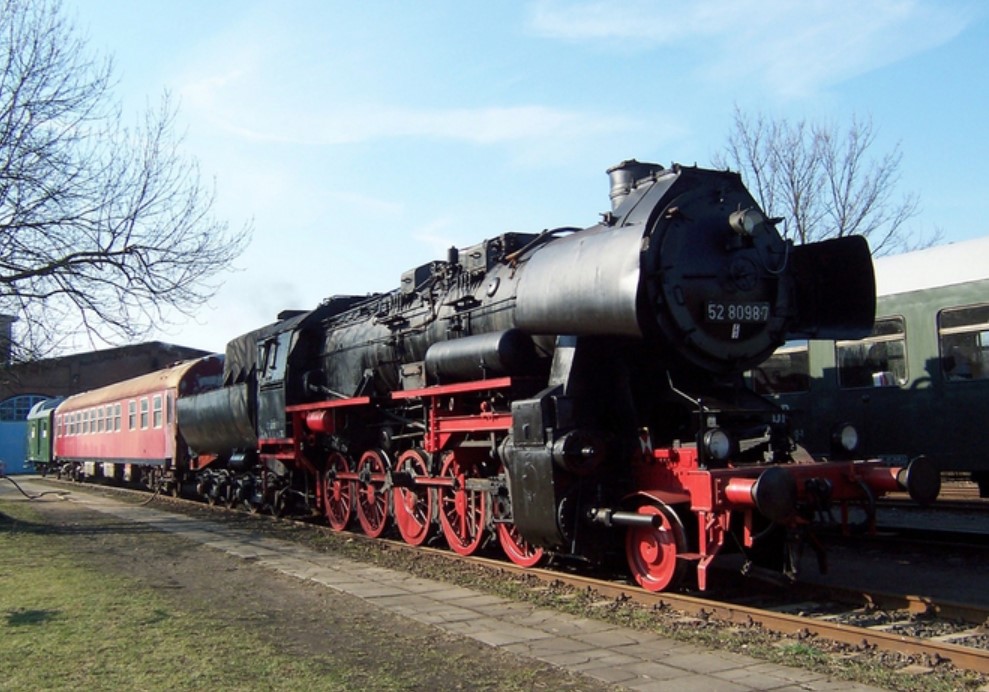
x=567, y=392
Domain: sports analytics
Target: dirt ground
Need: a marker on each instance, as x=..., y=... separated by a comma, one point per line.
x=303, y=619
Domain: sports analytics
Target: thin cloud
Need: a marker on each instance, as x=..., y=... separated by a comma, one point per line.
x=216, y=100
x=793, y=47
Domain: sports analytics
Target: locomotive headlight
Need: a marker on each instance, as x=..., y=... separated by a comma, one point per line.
x=718, y=444
x=746, y=221
x=845, y=438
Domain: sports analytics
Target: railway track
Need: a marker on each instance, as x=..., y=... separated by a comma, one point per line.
x=910, y=625
x=929, y=630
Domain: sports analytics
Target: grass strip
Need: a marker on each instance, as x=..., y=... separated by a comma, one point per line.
x=64, y=625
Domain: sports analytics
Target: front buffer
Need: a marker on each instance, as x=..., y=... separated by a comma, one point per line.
x=696, y=509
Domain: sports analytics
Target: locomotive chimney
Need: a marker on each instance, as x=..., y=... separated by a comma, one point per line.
x=625, y=175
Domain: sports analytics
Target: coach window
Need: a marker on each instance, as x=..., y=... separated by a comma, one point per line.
x=131, y=415
x=878, y=361
x=786, y=371
x=156, y=411
x=144, y=413
x=116, y=418
x=963, y=338
x=100, y=419
x=85, y=422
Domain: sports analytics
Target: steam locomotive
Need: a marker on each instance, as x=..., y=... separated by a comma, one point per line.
x=560, y=392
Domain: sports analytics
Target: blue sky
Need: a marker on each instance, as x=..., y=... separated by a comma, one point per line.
x=364, y=138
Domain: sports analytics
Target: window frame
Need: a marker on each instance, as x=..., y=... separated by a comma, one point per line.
x=951, y=343
x=157, y=411
x=867, y=372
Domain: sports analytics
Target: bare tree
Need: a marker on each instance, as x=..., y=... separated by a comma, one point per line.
x=824, y=182
x=104, y=229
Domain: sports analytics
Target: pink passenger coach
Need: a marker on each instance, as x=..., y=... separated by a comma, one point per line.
x=129, y=429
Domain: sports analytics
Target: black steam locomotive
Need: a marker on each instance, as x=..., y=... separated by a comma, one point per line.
x=561, y=391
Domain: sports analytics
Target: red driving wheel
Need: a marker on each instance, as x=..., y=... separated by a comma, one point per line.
x=371, y=499
x=338, y=495
x=463, y=512
x=413, y=507
x=652, y=552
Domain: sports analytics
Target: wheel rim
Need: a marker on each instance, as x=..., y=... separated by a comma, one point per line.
x=413, y=507
x=515, y=547
x=652, y=552
x=338, y=495
x=518, y=550
x=463, y=512
x=371, y=500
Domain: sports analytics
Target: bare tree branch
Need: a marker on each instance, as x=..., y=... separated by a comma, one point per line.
x=823, y=181
x=104, y=228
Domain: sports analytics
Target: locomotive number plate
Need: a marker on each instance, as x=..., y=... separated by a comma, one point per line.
x=737, y=312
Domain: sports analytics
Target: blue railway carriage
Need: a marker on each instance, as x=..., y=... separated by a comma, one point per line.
x=39, y=434
x=919, y=384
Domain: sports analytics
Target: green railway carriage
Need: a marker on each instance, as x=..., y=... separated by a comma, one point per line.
x=919, y=384
x=39, y=433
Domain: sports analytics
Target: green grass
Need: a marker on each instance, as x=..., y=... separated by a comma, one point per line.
x=65, y=626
